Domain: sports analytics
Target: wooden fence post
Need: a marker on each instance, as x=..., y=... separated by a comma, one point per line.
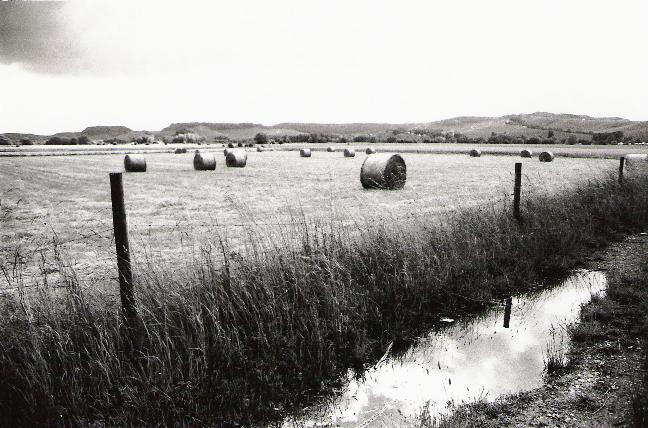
x=621, y=164
x=129, y=312
x=516, y=191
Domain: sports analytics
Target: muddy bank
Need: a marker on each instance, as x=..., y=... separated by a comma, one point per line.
x=605, y=368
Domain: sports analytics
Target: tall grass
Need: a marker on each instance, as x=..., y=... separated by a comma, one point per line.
x=240, y=338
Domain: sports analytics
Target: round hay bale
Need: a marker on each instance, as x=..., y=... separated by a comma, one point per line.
x=475, y=153
x=179, y=151
x=383, y=171
x=305, y=153
x=135, y=163
x=330, y=149
x=197, y=151
x=526, y=153
x=370, y=150
x=260, y=149
x=236, y=159
x=546, y=157
x=204, y=162
x=634, y=161
x=349, y=153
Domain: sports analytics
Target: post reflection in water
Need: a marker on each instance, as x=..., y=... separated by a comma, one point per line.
x=479, y=359
x=507, y=312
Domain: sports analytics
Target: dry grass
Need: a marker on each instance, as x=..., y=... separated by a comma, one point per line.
x=65, y=198
x=236, y=335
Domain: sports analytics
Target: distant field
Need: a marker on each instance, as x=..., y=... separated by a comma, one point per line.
x=172, y=210
x=594, y=151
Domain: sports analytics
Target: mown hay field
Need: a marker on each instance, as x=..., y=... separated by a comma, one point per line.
x=173, y=210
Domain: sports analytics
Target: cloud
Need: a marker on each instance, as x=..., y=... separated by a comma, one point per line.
x=35, y=35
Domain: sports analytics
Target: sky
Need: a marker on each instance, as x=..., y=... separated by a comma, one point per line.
x=65, y=66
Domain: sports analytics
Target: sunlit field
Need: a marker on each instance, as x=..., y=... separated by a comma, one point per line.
x=173, y=210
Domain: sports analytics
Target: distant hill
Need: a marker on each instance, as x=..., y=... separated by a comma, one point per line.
x=15, y=137
x=527, y=125
x=234, y=131
x=344, y=128
x=571, y=123
x=105, y=132
x=97, y=132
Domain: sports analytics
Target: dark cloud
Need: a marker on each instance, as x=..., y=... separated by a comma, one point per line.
x=34, y=34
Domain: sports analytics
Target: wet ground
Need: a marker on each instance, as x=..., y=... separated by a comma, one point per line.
x=503, y=352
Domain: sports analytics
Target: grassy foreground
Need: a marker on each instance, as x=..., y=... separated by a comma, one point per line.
x=238, y=339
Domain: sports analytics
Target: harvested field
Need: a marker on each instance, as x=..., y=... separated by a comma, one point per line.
x=67, y=199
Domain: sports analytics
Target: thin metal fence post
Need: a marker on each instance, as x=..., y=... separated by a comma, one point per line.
x=621, y=165
x=516, y=191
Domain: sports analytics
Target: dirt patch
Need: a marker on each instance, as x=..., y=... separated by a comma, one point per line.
x=605, y=369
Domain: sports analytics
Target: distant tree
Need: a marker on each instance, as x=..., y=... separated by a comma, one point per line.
x=83, y=139
x=391, y=139
x=550, y=134
x=607, y=137
x=54, y=141
x=26, y=142
x=342, y=140
x=260, y=138
x=5, y=141
x=572, y=140
x=533, y=140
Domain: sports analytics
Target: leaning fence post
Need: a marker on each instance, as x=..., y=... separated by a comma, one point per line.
x=516, y=191
x=621, y=164
x=123, y=251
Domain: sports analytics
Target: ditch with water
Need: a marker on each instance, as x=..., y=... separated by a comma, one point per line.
x=502, y=352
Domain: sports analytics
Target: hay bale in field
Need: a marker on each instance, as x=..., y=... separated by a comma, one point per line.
x=349, y=153
x=204, y=162
x=383, y=171
x=135, y=163
x=475, y=153
x=305, y=153
x=526, y=153
x=260, y=149
x=236, y=159
x=370, y=150
x=179, y=151
x=330, y=149
x=226, y=152
x=546, y=157
x=634, y=161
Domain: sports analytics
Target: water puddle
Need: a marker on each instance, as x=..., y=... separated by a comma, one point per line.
x=503, y=352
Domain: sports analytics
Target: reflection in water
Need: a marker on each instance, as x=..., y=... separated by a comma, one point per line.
x=484, y=358
x=507, y=312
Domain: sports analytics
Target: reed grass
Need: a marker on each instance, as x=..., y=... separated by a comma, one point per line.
x=238, y=337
